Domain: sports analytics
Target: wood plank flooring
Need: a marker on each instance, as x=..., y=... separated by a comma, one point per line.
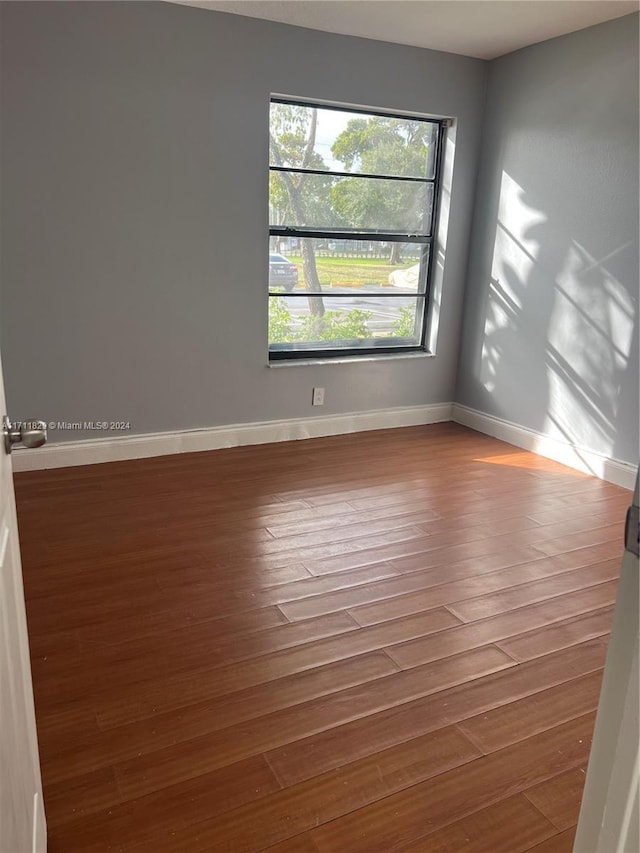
x=390, y=641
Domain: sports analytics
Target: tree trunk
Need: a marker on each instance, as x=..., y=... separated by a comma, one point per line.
x=395, y=258
x=312, y=282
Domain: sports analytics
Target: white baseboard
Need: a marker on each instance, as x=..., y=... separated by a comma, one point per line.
x=588, y=461
x=91, y=451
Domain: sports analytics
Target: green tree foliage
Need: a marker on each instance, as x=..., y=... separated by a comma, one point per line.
x=388, y=146
x=337, y=326
x=405, y=326
x=292, y=144
x=333, y=326
x=280, y=320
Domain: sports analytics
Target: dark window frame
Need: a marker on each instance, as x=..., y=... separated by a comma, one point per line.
x=293, y=351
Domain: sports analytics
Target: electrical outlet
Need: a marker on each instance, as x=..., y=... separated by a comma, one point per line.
x=318, y=397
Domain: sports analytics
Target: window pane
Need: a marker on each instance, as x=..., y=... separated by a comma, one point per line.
x=348, y=266
x=351, y=141
x=364, y=204
x=361, y=321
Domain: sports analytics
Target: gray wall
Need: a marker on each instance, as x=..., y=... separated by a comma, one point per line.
x=550, y=336
x=134, y=211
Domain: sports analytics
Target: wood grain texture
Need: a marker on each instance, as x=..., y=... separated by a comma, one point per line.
x=302, y=807
x=384, y=641
x=142, y=819
x=561, y=843
x=535, y=713
x=341, y=744
x=493, y=629
x=560, y=635
x=427, y=588
x=481, y=607
x=510, y=826
x=559, y=798
x=300, y=844
x=303, y=758
x=410, y=815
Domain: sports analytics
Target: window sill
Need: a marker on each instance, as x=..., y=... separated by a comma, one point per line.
x=306, y=362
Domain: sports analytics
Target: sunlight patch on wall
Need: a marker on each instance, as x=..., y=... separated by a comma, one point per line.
x=590, y=334
x=514, y=256
x=443, y=227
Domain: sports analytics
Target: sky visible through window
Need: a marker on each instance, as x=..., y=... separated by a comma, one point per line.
x=331, y=123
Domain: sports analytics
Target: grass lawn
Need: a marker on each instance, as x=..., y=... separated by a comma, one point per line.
x=350, y=272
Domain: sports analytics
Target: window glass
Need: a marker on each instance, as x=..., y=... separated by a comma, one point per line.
x=352, y=206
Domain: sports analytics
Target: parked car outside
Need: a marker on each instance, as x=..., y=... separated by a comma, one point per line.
x=282, y=273
x=407, y=279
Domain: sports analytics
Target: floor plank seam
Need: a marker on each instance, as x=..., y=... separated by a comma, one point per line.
x=461, y=622
x=471, y=737
x=397, y=666
x=553, y=823
x=513, y=657
x=280, y=610
x=274, y=770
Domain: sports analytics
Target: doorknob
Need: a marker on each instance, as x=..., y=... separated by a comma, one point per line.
x=28, y=433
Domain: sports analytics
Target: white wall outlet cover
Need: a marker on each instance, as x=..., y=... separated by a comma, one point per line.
x=318, y=397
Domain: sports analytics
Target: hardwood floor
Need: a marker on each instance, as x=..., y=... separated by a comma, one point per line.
x=389, y=641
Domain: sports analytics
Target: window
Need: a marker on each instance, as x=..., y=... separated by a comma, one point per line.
x=353, y=199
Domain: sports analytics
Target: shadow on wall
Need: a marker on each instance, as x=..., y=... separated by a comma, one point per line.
x=551, y=337
x=560, y=328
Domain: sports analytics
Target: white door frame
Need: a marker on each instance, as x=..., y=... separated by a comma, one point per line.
x=22, y=818
x=609, y=817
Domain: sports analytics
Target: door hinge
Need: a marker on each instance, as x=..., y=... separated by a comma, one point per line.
x=632, y=530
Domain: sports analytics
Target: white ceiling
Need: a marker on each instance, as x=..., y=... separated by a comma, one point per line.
x=480, y=28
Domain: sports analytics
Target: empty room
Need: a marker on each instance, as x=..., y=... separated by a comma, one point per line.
x=319, y=508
